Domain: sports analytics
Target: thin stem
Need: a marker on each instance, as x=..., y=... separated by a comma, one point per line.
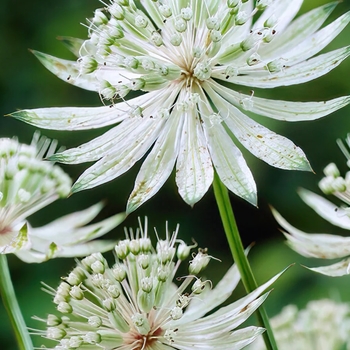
x=237, y=250
x=11, y=305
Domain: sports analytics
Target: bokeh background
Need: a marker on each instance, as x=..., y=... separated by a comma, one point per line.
x=24, y=83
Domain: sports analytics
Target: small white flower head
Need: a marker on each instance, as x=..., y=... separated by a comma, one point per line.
x=326, y=246
x=129, y=306
x=322, y=325
x=171, y=50
x=29, y=183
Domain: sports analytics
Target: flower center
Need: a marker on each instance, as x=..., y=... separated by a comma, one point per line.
x=5, y=230
x=138, y=341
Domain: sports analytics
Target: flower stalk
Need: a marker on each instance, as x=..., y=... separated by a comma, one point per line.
x=237, y=251
x=11, y=305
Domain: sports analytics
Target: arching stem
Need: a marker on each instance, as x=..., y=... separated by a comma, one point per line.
x=240, y=258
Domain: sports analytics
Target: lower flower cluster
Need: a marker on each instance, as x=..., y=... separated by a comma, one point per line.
x=134, y=304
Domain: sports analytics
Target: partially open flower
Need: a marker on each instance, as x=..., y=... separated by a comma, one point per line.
x=181, y=62
x=135, y=304
x=322, y=325
x=27, y=184
x=325, y=246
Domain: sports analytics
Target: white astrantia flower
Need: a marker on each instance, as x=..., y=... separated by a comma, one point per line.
x=136, y=305
x=325, y=246
x=27, y=184
x=322, y=325
x=179, y=61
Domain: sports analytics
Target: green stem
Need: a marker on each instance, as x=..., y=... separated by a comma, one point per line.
x=237, y=250
x=11, y=305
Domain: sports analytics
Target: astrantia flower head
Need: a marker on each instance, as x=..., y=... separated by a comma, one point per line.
x=166, y=71
x=135, y=304
x=28, y=184
x=322, y=325
x=326, y=246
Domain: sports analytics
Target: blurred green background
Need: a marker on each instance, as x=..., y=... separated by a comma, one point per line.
x=24, y=83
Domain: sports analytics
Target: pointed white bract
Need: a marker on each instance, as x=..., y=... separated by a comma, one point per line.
x=27, y=184
x=181, y=56
x=321, y=245
x=141, y=302
x=322, y=325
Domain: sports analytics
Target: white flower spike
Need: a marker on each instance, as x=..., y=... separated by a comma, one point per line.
x=181, y=58
x=325, y=246
x=135, y=304
x=322, y=325
x=28, y=184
